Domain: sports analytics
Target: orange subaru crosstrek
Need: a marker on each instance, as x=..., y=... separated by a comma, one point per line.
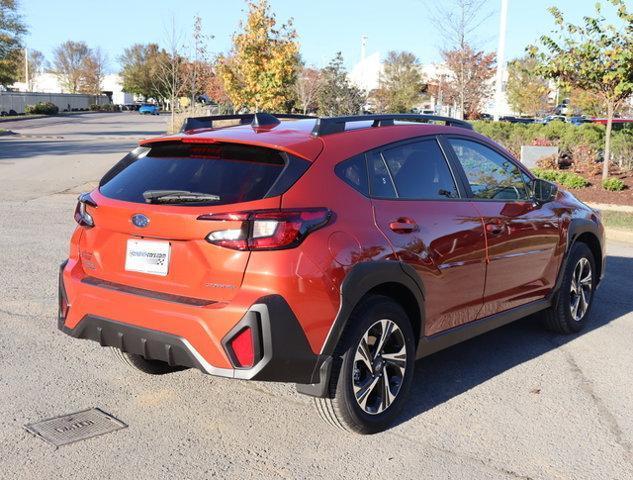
x=328, y=252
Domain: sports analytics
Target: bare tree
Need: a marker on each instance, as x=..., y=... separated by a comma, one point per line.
x=199, y=68
x=94, y=70
x=458, y=20
x=35, y=64
x=471, y=73
x=170, y=78
x=307, y=87
x=68, y=64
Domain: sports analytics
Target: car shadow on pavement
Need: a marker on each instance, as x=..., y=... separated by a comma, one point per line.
x=451, y=372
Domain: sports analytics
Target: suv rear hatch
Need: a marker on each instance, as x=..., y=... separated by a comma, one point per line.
x=148, y=223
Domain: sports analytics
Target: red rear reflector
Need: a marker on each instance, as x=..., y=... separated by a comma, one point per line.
x=242, y=346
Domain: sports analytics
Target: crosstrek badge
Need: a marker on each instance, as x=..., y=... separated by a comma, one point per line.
x=147, y=257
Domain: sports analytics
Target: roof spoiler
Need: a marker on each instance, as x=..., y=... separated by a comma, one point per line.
x=330, y=125
x=256, y=120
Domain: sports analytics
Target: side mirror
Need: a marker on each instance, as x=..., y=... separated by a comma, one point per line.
x=543, y=191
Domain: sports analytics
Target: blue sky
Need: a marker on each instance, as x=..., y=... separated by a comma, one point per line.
x=324, y=26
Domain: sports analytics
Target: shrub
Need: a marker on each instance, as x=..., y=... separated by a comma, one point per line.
x=572, y=180
x=613, y=184
x=95, y=107
x=566, y=179
x=108, y=107
x=42, y=108
x=546, y=174
x=583, y=143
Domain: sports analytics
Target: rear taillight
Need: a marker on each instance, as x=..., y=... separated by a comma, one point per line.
x=267, y=230
x=82, y=217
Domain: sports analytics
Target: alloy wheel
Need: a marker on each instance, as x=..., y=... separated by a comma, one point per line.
x=379, y=366
x=581, y=289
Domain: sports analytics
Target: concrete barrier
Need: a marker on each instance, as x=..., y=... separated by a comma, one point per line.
x=65, y=101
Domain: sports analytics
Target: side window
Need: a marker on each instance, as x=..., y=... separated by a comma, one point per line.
x=490, y=174
x=354, y=173
x=380, y=178
x=419, y=171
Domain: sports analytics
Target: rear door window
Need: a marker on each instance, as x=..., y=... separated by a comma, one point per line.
x=420, y=172
x=413, y=171
x=232, y=173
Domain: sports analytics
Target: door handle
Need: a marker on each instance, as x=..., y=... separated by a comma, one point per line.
x=404, y=225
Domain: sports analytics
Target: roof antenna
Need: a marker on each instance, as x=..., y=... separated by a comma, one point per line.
x=264, y=120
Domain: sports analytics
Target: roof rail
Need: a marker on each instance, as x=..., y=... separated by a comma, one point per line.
x=255, y=119
x=329, y=125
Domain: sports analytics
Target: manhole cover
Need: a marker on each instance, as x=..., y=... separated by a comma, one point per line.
x=74, y=427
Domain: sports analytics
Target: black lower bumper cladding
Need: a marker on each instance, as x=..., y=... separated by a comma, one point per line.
x=283, y=352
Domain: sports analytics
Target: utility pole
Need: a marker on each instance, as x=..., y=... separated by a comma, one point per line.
x=501, y=50
x=26, y=68
x=363, y=47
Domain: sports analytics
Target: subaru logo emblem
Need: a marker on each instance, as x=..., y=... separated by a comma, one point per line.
x=140, y=220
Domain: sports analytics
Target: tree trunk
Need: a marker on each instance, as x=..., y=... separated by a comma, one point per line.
x=607, y=141
x=173, y=113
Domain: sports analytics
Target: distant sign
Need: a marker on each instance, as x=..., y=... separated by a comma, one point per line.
x=530, y=155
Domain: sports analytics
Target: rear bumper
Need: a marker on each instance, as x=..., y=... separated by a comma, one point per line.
x=282, y=350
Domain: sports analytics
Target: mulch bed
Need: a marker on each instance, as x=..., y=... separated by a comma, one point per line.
x=596, y=194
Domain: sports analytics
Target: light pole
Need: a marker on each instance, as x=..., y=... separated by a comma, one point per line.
x=501, y=50
x=26, y=68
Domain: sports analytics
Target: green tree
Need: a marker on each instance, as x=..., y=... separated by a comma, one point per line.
x=139, y=69
x=261, y=70
x=337, y=96
x=595, y=56
x=527, y=91
x=12, y=29
x=400, y=84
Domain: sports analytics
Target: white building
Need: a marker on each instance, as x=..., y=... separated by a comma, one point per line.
x=49, y=83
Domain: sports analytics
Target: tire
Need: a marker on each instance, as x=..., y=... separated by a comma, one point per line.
x=572, y=304
x=137, y=362
x=350, y=373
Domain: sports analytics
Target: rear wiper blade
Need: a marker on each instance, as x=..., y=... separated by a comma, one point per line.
x=175, y=196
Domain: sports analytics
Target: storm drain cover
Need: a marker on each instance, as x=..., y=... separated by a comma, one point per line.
x=78, y=426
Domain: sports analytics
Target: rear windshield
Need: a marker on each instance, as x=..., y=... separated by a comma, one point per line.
x=229, y=172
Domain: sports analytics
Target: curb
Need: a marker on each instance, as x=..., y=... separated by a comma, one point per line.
x=21, y=135
x=21, y=118
x=619, y=235
x=611, y=207
x=57, y=137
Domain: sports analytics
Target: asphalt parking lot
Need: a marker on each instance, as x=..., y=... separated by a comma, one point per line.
x=516, y=403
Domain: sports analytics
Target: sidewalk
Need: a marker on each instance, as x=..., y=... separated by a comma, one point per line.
x=612, y=207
